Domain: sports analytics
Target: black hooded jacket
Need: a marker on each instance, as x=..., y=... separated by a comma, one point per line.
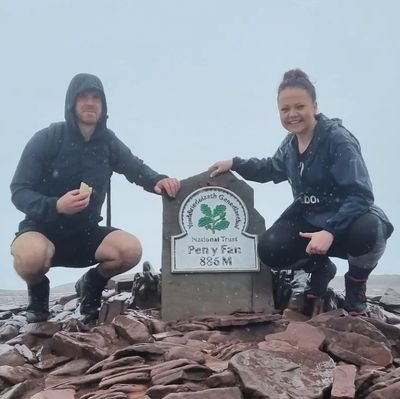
x=330, y=181
x=58, y=158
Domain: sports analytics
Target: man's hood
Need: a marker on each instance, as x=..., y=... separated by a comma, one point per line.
x=79, y=84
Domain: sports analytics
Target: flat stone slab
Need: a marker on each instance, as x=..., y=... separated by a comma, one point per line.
x=218, y=393
x=240, y=319
x=304, y=373
x=207, y=289
x=391, y=300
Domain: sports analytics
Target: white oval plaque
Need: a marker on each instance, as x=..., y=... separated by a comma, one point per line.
x=213, y=221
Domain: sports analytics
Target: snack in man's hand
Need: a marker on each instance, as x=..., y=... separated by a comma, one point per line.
x=84, y=188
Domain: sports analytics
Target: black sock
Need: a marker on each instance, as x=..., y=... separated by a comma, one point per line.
x=97, y=278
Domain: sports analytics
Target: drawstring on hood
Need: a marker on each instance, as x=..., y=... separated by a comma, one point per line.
x=80, y=83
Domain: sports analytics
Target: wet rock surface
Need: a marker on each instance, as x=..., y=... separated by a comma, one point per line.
x=129, y=353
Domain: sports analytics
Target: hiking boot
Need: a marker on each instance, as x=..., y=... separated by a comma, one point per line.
x=317, y=286
x=355, y=301
x=90, y=288
x=38, y=307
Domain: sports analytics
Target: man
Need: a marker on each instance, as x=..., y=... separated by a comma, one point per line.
x=61, y=223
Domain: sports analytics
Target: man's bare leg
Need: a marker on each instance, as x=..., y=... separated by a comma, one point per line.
x=117, y=253
x=32, y=253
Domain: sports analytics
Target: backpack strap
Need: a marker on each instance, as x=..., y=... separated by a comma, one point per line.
x=55, y=138
x=108, y=213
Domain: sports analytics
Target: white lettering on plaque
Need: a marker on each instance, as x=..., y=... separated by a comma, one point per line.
x=213, y=221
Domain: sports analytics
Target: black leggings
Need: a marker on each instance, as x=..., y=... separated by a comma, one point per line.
x=281, y=247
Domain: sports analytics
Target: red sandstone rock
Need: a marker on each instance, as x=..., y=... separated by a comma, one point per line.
x=343, y=382
x=218, y=321
x=389, y=392
x=73, y=368
x=131, y=329
x=301, y=335
x=189, y=372
x=293, y=315
x=80, y=345
x=161, y=391
x=56, y=394
x=169, y=365
x=224, y=379
x=50, y=361
x=360, y=345
x=304, y=373
x=218, y=393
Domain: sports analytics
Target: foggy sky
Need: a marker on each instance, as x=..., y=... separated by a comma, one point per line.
x=192, y=82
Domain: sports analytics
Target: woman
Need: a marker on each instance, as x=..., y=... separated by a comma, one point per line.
x=333, y=212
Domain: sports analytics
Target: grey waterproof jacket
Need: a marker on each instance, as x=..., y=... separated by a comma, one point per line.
x=330, y=181
x=57, y=159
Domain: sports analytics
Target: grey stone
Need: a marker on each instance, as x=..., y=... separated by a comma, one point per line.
x=391, y=298
x=391, y=318
x=24, y=351
x=57, y=308
x=9, y=356
x=11, y=308
x=18, y=320
x=5, y=315
x=71, y=305
x=211, y=293
x=8, y=331
x=65, y=299
x=43, y=329
x=15, y=392
x=62, y=316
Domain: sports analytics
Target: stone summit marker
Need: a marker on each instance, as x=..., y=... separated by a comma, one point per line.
x=209, y=262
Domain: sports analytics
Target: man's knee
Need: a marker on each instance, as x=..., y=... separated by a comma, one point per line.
x=121, y=248
x=32, y=254
x=130, y=252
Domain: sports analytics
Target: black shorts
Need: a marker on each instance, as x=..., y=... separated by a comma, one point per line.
x=75, y=250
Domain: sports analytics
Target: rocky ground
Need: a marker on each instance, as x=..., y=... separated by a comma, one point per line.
x=130, y=353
